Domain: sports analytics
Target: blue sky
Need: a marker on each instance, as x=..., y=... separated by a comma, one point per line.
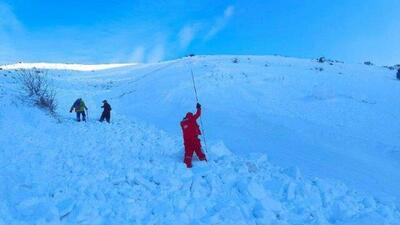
x=147, y=31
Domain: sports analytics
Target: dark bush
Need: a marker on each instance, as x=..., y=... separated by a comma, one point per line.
x=368, y=63
x=321, y=59
x=395, y=67
x=330, y=61
x=36, y=86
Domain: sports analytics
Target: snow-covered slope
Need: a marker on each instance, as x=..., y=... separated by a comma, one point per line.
x=337, y=123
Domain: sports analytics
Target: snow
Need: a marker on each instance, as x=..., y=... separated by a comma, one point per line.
x=330, y=139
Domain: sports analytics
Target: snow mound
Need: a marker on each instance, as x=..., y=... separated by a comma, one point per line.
x=129, y=173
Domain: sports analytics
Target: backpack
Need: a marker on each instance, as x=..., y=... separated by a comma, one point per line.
x=77, y=104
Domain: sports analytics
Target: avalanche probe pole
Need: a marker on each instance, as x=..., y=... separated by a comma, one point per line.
x=194, y=86
x=201, y=121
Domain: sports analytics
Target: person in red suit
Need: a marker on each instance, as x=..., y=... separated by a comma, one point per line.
x=191, y=132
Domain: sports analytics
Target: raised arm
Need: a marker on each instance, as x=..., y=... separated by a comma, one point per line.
x=198, y=112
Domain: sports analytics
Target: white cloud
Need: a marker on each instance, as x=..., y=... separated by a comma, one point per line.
x=187, y=34
x=138, y=54
x=221, y=22
x=10, y=29
x=156, y=54
x=8, y=20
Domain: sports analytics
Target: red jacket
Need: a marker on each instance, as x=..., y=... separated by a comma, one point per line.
x=189, y=125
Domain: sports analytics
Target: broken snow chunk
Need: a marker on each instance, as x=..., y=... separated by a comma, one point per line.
x=219, y=150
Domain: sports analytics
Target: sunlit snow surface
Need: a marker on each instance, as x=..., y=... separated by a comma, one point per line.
x=64, y=66
x=288, y=143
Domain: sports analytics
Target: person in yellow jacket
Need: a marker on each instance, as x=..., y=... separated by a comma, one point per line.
x=80, y=107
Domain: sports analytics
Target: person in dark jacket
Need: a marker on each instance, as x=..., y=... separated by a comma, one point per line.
x=106, y=112
x=191, y=131
x=80, y=107
x=398, y=74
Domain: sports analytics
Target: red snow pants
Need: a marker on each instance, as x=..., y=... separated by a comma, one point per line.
x=193, y=145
